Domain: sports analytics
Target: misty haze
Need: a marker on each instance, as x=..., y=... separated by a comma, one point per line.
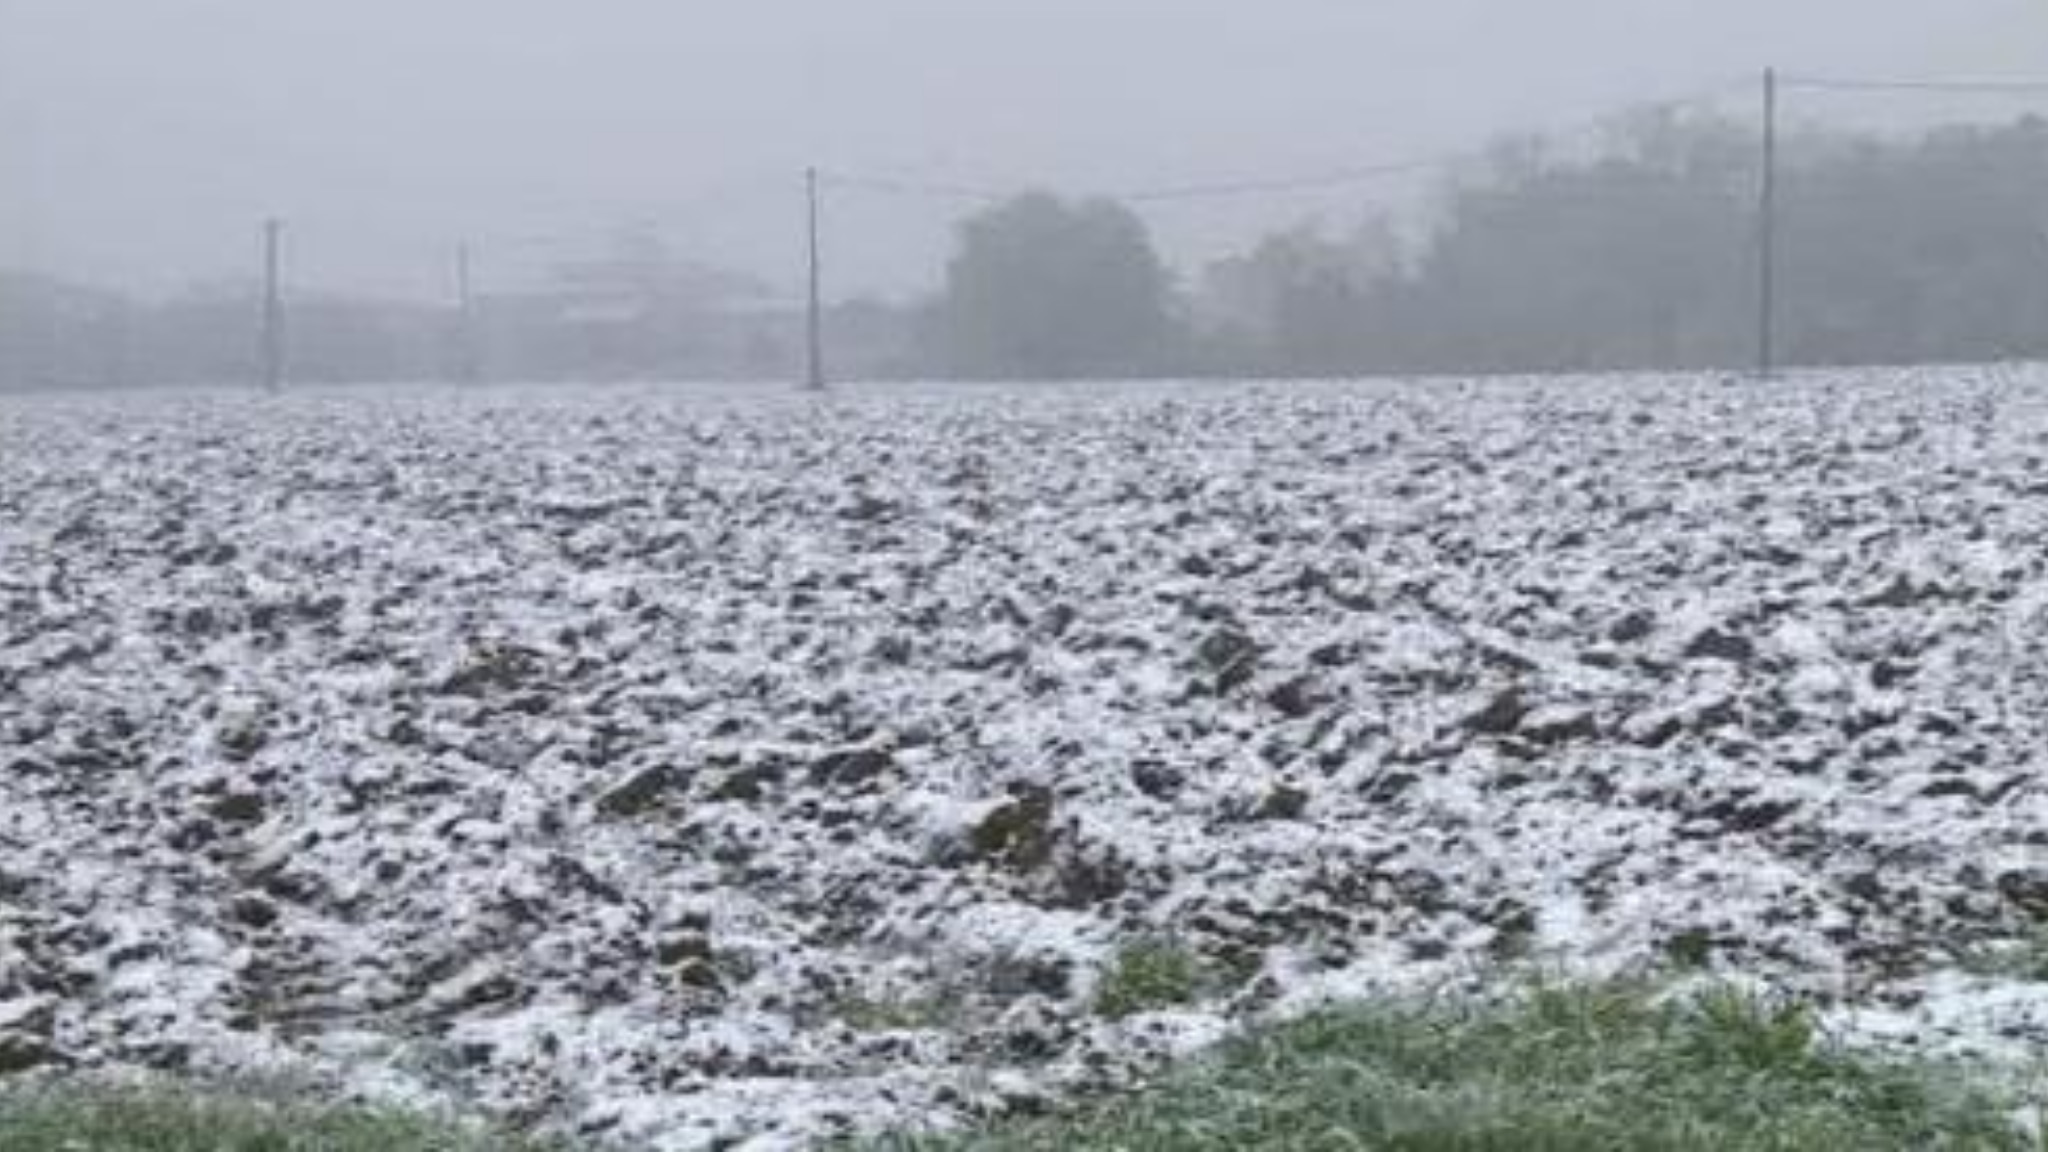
x=1072, y=574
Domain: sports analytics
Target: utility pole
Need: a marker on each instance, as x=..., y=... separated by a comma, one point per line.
x=273, y=305
x=1767, y=236
x=469, y=361
x=815, y=314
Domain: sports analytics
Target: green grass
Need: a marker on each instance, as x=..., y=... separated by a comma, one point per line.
x=1148, y=975
x=166, y=1119
x=917, y=1014
x=2025, y=959
x=1559, y=1070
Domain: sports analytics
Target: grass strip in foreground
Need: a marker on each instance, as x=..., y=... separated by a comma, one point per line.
x=1612, y=1069
x=1558, y=1070
x=165, y=1119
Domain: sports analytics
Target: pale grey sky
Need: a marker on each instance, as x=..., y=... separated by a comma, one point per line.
x=142, y=140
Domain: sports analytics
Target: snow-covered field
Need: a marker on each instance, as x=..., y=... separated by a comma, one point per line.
x=684, y=764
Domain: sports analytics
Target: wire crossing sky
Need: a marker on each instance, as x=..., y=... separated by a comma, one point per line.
x=143, y=141
x=1942, y=87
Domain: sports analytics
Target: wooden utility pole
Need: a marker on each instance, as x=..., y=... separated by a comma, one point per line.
x=815, y=313
x=1767, y=236
x=273, y=305
x=469, y=359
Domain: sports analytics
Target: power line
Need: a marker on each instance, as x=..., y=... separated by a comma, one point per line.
x=1259, y=186
x=1953, y=87
x=1707, y=96
x=1339, y=179
x=903, y=187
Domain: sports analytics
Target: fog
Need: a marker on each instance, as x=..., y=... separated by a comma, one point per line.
x=142, y=140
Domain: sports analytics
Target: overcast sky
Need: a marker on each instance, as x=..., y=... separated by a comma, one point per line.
x=142, y=140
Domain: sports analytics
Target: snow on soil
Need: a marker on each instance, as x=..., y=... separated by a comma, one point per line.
x=687, y=766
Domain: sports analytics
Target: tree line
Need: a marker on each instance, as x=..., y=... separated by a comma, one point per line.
x=1643, y=254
